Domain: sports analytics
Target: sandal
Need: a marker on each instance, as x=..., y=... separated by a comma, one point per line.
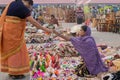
x=10, y=75
x=22, y=76
x=17, y=76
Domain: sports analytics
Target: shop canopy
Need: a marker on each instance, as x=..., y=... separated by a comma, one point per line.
x=54, y=1
x=105, y=1
x=44, y=1
x=66, y=1
x=98, y=1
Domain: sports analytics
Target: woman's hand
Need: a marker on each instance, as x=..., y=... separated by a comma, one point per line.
x=48, y=30
x=60, y=35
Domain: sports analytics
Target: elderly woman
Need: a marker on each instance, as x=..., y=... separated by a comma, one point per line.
x=86, y=46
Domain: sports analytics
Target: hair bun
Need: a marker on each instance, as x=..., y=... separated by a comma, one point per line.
x=17, y=0
x=30, y=1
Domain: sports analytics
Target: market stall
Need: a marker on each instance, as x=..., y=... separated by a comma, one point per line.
x=59, y=8
x=100, y=13
x=57, y=59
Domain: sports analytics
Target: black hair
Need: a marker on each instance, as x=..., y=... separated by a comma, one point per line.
x=80, y=21
x=30, y=1
x=17, y=0
x=84, y=28
x=52, y=16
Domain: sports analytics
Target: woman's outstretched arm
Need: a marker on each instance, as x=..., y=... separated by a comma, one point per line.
x=37, y=25
x=67, y=38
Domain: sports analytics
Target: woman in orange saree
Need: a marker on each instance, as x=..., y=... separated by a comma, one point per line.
x=13, y=51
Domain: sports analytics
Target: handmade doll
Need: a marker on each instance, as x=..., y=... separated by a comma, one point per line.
x=40, y=78
x=117, y=56
x=31, y=64
x=66, y=51
x=35, y=75
x=117, y=64
x=49, y=71
x=55, y=60
x=42, y=65
x=109, y=63
x=34, y=71
x=40, y=73
x=56, y=72
x=48, y=58
x=71, y=51
x=33, y=60
x=62, y=50
x=31, y=47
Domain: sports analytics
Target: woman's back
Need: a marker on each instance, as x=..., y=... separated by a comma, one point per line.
x=18, y=9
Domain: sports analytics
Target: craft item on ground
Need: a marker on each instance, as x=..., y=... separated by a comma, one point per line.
x=81, y=70
x=31, y=29
x=102, y=46
x=117, y=64
x=50, y=26
x=43, y=61
x=112, y=76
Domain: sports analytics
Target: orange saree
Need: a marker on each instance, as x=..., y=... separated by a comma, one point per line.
x=13, y=51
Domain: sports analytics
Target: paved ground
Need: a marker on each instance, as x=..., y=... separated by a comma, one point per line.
x=4, y=76
x=110, y=39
